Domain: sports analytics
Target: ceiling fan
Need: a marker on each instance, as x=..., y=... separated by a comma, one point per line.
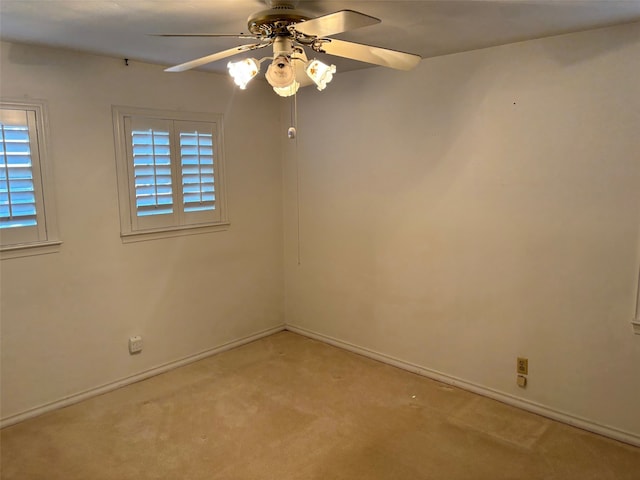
x=288, y=30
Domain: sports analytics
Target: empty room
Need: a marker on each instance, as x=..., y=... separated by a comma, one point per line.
x=250, y=239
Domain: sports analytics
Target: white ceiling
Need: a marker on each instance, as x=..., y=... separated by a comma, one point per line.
x=429, y=28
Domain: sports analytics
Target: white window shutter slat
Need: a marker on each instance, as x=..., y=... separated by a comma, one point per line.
x=17, y=190
x=151, y=150
x=197, y=161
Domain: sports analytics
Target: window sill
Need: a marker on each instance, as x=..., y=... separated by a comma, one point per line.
x=173, y=232
x=29, y=249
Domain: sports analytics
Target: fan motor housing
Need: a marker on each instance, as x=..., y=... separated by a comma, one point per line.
x=274, y=21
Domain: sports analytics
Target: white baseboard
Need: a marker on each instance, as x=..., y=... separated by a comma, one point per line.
x=543, y=410
x=152, y=372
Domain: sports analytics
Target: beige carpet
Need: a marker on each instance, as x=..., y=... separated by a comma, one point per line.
x=287, y=407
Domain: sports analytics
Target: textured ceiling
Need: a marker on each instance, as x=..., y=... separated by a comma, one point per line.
x=429, y=28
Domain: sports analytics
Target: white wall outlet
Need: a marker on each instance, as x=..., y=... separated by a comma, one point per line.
x=135, y=344
x=522, y=381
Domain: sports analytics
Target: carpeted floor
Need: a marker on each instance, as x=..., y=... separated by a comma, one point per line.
x=287, y=407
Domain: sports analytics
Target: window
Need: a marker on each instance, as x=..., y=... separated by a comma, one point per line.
x=170, y=172
x=27, y=221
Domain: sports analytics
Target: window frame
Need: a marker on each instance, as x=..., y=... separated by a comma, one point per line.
x=130, y=229
x=45, y=237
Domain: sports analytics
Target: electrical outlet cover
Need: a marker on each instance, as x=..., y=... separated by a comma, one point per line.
x=135, y=344
x=522, y=366
x=522, y=381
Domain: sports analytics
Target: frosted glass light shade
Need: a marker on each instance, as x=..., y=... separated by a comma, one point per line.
x=280, y=73
x=282, y=77
x=320, y=73
x=243, y=71
x=287, y=91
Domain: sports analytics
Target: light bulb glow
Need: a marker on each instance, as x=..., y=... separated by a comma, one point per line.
x=320, y=73
x=243, y=71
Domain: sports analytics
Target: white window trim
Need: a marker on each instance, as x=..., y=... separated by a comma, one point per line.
x=127, y=233
x=52, y=242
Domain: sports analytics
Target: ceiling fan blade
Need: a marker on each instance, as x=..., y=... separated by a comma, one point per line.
x=334, y=23
x=224, y=35
x=216, y=56
x=370, y=54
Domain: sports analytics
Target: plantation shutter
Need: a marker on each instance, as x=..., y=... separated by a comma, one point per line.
x=151, y=184
x=198, y=171
x=21, y=207
x=170, y=172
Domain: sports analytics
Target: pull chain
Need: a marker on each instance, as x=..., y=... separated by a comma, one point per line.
x=292, y=135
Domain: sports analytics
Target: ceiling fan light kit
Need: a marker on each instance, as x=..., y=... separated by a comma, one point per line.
x=289, y=31
x=282, y=73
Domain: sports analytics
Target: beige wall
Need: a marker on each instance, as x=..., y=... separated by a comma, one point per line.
x=481, y=207
x=66, y=317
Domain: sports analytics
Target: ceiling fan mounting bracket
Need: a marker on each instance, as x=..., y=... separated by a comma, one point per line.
x=275, y=21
